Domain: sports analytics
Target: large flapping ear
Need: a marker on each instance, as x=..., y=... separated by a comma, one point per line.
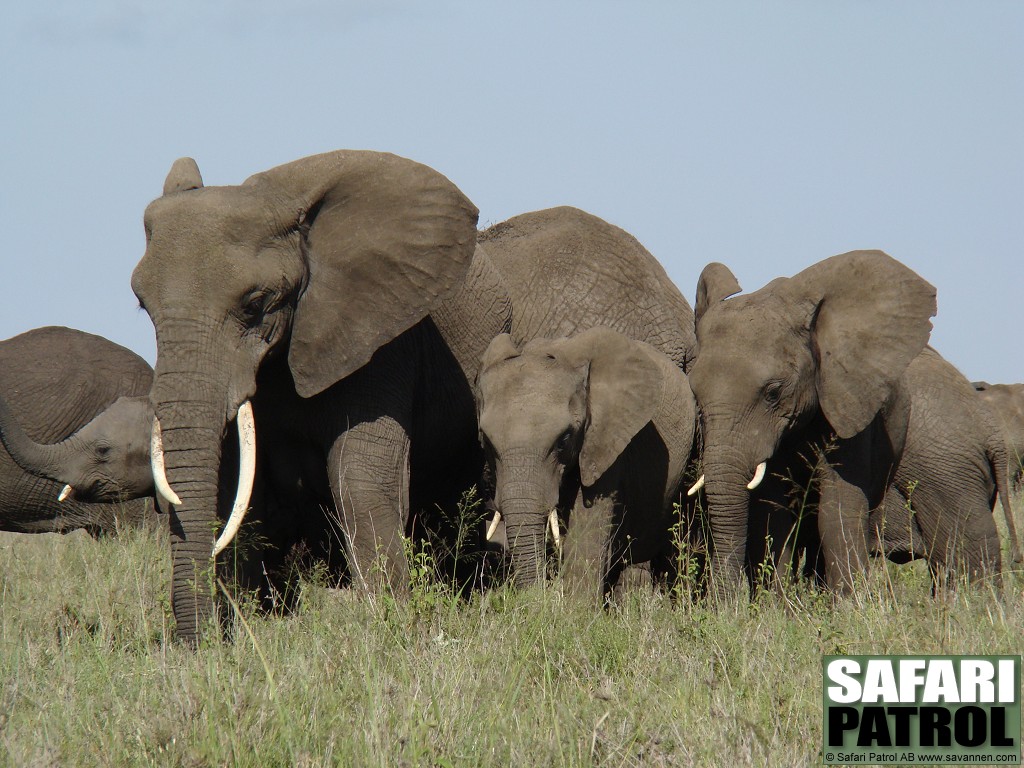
x=386, y=239
x=870, y=319
x=716, y=283
x=183, y=176
x=625, y=389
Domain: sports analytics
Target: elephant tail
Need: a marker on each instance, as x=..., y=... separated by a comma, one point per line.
x=999, y=461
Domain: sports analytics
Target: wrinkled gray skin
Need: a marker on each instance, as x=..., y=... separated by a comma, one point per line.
x=107, y=460
x=1007, y=403
x=951, y=472
x=816, y=359
x=596, y=425
x=954, y=468
x=61, y=392
x=345, y=295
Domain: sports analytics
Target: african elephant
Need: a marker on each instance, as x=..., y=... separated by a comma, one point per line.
x=1007, y=403
x=807, y=362
x=341, y=304
x=59, y=386
x=598, y=426
x=940, y=502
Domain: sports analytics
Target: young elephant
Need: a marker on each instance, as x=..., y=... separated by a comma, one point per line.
x=939, y=504
x=598, y=426
x=1007, y=403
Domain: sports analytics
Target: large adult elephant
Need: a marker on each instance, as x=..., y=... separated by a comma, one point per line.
x=596, y=426
x=1007, y=404
x=57, y=385
x=804, y=363
x=343, y=301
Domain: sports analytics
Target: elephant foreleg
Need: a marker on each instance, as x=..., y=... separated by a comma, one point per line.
x=843, y=527
x=586, y=558
x=369, y=475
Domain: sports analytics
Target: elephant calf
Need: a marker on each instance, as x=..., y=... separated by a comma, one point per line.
x=597, y=426
x=1007, y=402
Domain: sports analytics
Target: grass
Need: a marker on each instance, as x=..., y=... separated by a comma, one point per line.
x=89, y=674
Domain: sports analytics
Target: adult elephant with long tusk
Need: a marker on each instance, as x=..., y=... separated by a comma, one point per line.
x=345, y=297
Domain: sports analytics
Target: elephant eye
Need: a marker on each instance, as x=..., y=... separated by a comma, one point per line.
x=254, y=306
x=773, y=393
x=564, y=441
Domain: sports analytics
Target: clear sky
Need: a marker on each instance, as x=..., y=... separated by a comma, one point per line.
x=766, y=135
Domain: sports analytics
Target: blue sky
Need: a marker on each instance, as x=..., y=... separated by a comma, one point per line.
x=764, y=135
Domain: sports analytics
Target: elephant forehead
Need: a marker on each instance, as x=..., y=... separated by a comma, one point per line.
x=753, y=325
x=540, y=377
x=215, y=215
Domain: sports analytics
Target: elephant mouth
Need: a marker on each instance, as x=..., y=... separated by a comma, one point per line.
x=246, y=473
x=553, y=527
x=754, y=481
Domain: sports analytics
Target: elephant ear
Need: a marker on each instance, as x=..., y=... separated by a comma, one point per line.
x=386, y=239
x=716, y=283
x=183, y=176
x=625, y=389
x=500, y=349
x=869, y=318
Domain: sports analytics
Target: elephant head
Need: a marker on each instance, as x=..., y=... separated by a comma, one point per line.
x=554, y=416
x=832, y=341
x=320, y=261
x=107, y=460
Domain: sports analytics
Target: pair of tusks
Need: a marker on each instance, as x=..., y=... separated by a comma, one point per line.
x=552, y=524
x=756, y=481
x=246, y=473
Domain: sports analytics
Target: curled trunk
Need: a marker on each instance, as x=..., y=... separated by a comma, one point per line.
x=51, y=462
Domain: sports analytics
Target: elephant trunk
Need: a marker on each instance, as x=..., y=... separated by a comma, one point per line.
x=727, y=473
x=190, y=416
x=51, y=462
x=525, y=509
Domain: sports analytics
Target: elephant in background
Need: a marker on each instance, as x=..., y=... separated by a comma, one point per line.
x=1007, y=403
x=597, y=426
x=72, y=409
x=341, y=304
x=939, y=505
x=954, y=467
x=803, y=363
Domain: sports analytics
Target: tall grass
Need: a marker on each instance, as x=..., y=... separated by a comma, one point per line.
x=89, y=674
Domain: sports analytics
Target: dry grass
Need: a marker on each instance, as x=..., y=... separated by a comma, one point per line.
x=89, y=676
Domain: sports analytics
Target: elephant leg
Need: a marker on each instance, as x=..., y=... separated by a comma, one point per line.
x=586, y=557
x=369, y=475
x=843, y=528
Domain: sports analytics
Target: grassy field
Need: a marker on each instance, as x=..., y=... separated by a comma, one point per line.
x=89, y=675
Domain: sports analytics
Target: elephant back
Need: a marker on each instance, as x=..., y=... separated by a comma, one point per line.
x=57, y=379
x=568, y=270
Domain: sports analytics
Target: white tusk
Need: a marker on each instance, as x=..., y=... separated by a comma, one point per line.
x=758, y=476
x=66, y=491
x=246, y=474
x=696, y=486
x=553, y=523
x=493, y=525
x=156, y=460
